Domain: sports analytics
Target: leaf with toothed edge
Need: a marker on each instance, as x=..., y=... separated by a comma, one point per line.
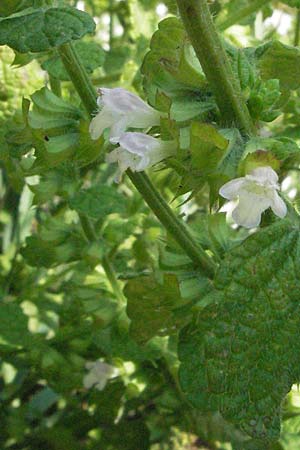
x=246, y=342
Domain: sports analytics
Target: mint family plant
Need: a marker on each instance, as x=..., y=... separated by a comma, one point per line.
x=135, y=314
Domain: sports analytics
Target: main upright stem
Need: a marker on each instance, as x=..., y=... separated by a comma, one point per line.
x=200, y=28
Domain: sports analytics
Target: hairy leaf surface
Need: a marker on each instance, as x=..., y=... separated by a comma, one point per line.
x=43, y=29
x=246, y=343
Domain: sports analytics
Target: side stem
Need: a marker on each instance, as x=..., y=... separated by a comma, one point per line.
x=173, y=225
x=199, y=26
x=142, y=183
x=79, y=76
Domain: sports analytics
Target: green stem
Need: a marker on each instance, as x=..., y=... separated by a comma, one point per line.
x=111, y=275
x=55, y=86
x=199, y=26
x=173, y=225
x=297, y=29
x=79, y=76
x=91, y=236
x=240, y=14
x=140, y=180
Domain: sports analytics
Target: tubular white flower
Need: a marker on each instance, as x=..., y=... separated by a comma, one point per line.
x=255, y=192
x=138, y=151
x=99, y=374
x=119, y=110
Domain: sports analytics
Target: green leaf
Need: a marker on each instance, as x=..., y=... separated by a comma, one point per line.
x=59, y=133
x=13, y=325
x=8, y=7
x=171, y=65
x=244, y=344
x=207, y=147
x=280, y=61
x=57, y=243
x=281, y=147
x=98, y=201
x=43, y=29
x=191, y=106
x=150, y=307
x=90, y=54
x=62, y=181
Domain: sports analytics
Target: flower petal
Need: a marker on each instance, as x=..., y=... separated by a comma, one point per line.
x=122, y=101
x=231, y=189
x=278, y=206
x=264, y=174
x=104, y=119
x=249, y=210
x=125, y=160
x=138, y=143
x=117, y=129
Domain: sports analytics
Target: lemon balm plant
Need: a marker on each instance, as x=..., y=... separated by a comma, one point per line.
x=135, y=314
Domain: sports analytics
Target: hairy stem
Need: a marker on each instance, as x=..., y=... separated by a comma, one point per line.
x=240, y=14
x=199, y=26
x=173, y=225
x=79, y=76
x=142, y=183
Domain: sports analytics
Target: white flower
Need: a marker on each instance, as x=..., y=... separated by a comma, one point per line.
x=139, y=151
x=119, y=110
x=99, y=374
x=255, y=192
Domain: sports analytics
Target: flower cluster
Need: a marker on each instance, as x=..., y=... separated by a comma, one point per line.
x=120, y=110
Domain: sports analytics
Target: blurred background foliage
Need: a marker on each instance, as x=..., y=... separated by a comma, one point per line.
x=62, y=298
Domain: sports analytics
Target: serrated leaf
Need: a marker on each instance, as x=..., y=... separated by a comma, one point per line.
x=280, y=61
x=171, y=66
x=90, y=54
x=244, y=344
x=43, y=29
x=171, y=61
x=98, y=201
x=150, y=307
x=59, y=132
